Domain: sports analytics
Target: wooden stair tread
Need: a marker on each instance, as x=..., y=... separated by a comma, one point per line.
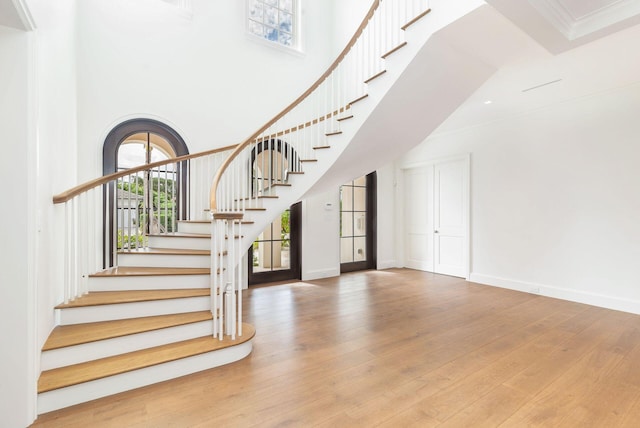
x=321, y=147
x=76, y=334
x=149, y=271
x=167, y=251
x=98, y=298
x=340, y=119
x=182, y=235
x=397, y=48
x=375, y=76
x=359, y=99
x=416, y=19
x=308, y=160
x=328, y=134
x=97, y=369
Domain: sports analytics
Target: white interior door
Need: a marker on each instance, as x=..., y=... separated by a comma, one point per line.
x=418, y=218
x=436, y=217
x=450, y=218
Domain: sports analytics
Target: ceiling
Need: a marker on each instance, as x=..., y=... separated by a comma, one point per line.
x=534, y=76
x=14, y=14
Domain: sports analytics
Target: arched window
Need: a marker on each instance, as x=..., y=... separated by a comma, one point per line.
x=129, y=204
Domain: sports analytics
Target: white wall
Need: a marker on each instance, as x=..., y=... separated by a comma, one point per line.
x=386, y=217
x=555, y=201
x=321, y=235
x=17, y=310
x=201, y=74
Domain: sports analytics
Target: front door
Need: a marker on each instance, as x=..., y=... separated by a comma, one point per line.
x=275, y=254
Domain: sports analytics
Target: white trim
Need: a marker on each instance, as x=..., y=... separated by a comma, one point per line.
x=34, y=223
x=22, y=9
x=387, y=264
x=573, y=28
x=320, y=273
x=573, y=295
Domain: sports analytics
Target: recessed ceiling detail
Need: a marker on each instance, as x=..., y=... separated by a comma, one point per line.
x=577, y=18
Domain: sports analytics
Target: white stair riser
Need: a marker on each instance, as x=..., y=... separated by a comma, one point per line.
x=164, y=260
x=120, y=345
x=150, y=282
x=182, y=243
x=132, y=310
x=75, y=394
x=190, y=227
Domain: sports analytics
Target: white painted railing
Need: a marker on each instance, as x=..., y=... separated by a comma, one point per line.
x=116, y=213
x=243, y=175
x=284, y=145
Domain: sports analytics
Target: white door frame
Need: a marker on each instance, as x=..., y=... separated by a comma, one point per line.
x=466, y=157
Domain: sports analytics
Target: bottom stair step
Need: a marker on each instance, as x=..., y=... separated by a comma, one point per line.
x=66, y=386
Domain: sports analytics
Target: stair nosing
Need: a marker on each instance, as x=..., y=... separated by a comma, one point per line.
x=123, y=363
x=150, y=271
x=116, y=328
x=135, y=296
x=165, y=251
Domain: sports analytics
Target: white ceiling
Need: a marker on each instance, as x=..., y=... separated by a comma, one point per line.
x=13, y=14
x=601, y=64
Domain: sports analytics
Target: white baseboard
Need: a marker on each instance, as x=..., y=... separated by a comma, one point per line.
x=593, y=299
x=319, y=274
x=386, y=264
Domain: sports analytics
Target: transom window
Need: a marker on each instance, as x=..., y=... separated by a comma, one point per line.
x=273, y=20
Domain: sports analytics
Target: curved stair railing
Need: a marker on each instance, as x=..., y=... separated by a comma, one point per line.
x=252, y=174
x=133, y=204
x=243, y=176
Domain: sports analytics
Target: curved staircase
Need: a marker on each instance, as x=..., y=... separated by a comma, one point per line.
x=174, y=305
x=145, y=321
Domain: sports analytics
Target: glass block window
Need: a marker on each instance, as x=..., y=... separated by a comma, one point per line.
x=273, y=20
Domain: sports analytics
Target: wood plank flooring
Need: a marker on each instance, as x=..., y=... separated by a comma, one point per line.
x=401, y=348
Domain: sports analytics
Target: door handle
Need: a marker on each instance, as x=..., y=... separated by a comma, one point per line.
x=435, y=231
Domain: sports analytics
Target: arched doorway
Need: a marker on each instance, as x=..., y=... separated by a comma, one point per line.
x=275, y=254
x=146, y=202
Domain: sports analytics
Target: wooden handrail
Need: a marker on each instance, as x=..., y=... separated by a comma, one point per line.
x=255, y=135
x=75, y=191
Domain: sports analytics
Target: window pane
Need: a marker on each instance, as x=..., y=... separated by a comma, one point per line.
x=359, y=199
x=346, y=198
x=271, y=16
x=286, y=5
x=255, y=10
x=271, y=2
x=346, y=228
x=271, y=34
x=285, y=39
x=360, y=224
x=286, y=22
x=359, y=249
x=346, y=250
x=255, y=28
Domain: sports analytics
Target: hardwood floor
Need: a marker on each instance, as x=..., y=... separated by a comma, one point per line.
x=401, y=348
